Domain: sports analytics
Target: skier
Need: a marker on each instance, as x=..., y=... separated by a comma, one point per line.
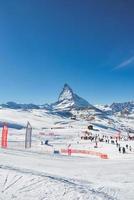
x=119, y=149
x=123, y=150
x=130, y=148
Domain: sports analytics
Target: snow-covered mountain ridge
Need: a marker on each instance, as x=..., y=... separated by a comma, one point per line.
x=69, y=101
x=120, y=107
x=69, y=109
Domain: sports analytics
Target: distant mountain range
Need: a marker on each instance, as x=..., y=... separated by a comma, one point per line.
x=14, y=105
x=68, y=100
x=120, y=107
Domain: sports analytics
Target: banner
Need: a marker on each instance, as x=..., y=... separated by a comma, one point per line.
x=86, y=152
x=28, y=136
x=4, y=136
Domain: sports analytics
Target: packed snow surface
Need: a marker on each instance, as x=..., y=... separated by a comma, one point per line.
x=37, y=173
x=47, y=171
x=26, y=175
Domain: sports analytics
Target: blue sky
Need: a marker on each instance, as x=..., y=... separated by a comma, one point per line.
x=87, y=44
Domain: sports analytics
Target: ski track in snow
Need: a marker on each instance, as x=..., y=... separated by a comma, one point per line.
x=16, y=183
x=31, y=175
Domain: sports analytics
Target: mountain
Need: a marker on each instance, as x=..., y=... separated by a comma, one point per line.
x=14, y=105
x=120, y=107
x=68, y=100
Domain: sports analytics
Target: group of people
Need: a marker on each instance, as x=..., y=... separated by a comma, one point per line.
x=123, y=149
x=116, y=142
x=108, y=139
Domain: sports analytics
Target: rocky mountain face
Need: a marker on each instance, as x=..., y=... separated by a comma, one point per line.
x=68, y=100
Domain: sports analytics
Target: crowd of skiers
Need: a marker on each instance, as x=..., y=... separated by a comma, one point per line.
x=121, y=149
x=109, y=140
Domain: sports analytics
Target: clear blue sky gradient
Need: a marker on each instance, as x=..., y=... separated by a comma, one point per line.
x=88, y=44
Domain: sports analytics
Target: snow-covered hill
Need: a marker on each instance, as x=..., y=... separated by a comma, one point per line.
x=39, y=118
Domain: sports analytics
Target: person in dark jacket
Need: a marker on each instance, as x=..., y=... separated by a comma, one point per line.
x=130, y=148
x=123, y=150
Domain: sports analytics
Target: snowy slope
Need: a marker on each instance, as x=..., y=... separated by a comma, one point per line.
x=32, y=176
x=39, y=118
x=38, y=174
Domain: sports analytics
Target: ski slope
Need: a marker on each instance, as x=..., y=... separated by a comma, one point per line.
x=26, y=175
x=38, y=174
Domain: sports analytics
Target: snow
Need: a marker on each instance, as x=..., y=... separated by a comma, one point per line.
x=29, y=175
x=67, y=93
x=37, y=118
x=38, y=173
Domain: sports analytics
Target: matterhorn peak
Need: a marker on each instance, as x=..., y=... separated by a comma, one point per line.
x=68, y=100
x=67, y=93
x=66, y=86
